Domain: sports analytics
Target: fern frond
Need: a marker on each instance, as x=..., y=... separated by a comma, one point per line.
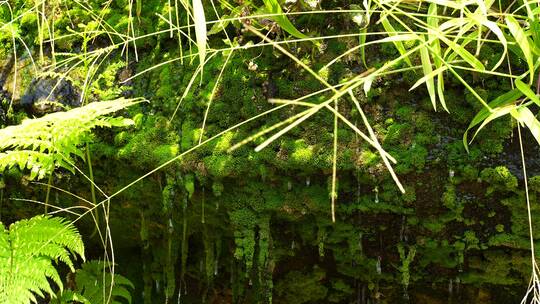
x=41, y=144
x=89, y=280
x=27, y=250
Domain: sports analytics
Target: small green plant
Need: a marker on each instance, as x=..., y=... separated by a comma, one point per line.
x=404, y=268
x=27, y=251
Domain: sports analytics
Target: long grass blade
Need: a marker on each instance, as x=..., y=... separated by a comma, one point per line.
x=200, y=31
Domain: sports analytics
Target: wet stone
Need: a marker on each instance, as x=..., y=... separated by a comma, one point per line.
x=47, y=95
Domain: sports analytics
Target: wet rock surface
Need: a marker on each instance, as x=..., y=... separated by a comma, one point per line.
x=47, y=95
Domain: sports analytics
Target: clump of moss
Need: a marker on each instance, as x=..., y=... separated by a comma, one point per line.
x=499, y=179
x=150, y=145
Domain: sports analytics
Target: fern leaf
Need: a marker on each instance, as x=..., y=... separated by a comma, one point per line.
x=27, y=250
x=54, y=140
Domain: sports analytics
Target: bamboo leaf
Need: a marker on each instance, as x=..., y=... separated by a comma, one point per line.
x=459, y=4
x=396, y=39
x=273, y=7
x=523, y=43
x=498, y=32
x=400, y=37
x=496, y=113
x=428, y=70
x=433, y=23
x=464, y=54
x=503, y=100
x=525, y=116
x=526, y=90
x=431, y=75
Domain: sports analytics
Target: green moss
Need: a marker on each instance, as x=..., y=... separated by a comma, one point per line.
x=301, y=154
x=499, y=179
x=221, y=166
x=534, y=183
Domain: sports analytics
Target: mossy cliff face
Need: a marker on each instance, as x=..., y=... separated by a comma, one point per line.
x=255, y=227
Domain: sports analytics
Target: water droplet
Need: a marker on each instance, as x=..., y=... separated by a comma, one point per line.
x=179, y=299
x=378, y=266
x=308, y=181
x=171, y=226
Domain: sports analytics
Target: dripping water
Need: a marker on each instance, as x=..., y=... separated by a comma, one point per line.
x=358, y=187
x=293, y=245
x=357, y=167
x=202, y=212
x=405, y=294
x=360, y=246
x=289, y=185
x=450, y=290
x=179, y=298
x=402, y=236
x=363, y=294
x=458, y=283
x=171, y=226
x=378, y=265
x=376, y=190
x=308, y=181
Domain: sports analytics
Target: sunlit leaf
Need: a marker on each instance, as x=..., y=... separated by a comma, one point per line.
x=495, y=113
x=396, y=39
x=428, y=70
x=522, y=41
x=501, y=101
x=526, y=89
x=273, y=7
x=525, y=116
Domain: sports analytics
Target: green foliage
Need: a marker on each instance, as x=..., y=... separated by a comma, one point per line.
x=42, y=144
x=27, y=251
x=96, y=285
x=298, y=288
